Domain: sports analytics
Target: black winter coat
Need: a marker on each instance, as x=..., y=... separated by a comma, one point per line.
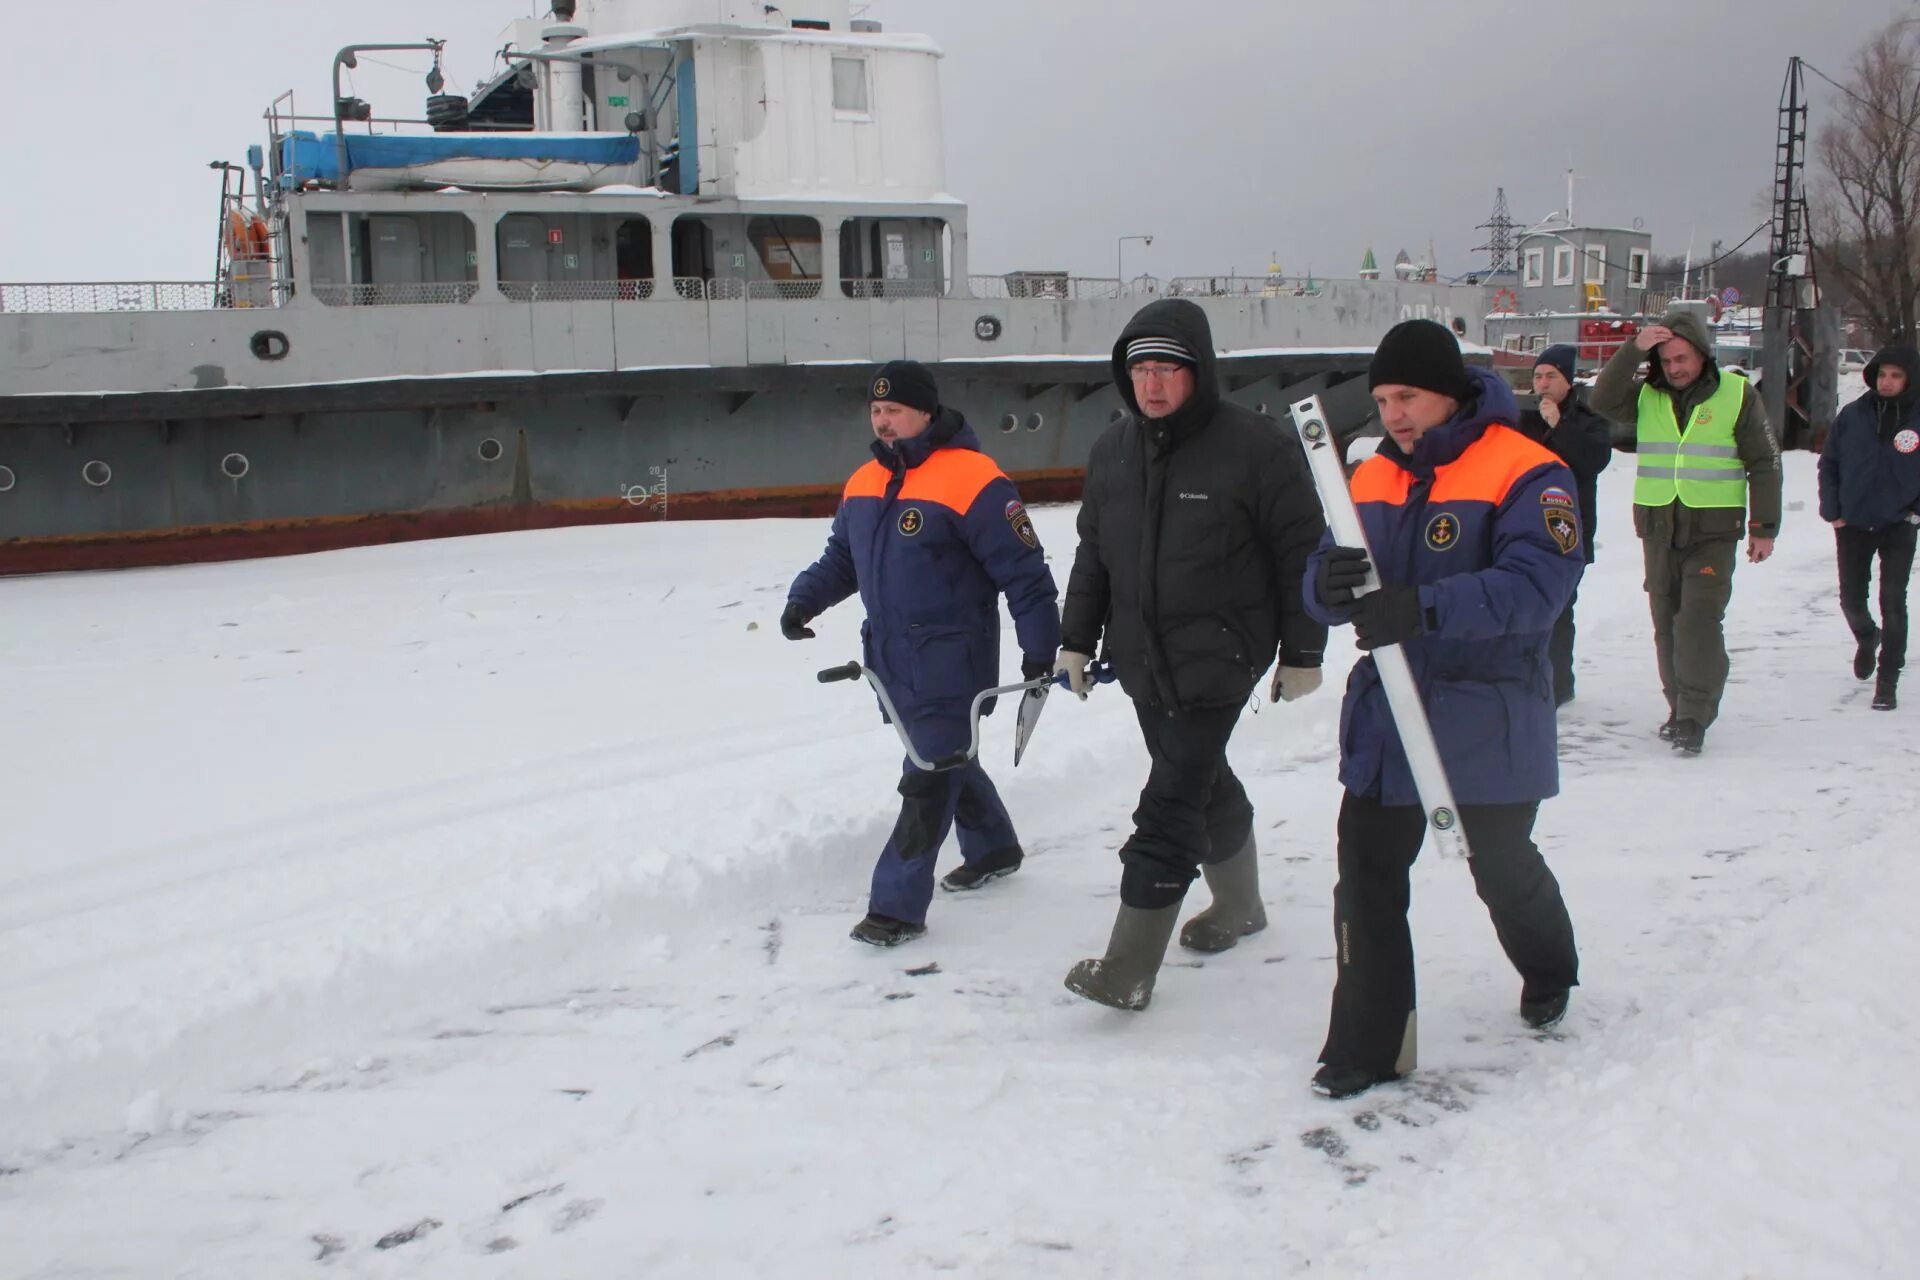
x=1584, y=441
x=1870, y=467
x=1194, y=533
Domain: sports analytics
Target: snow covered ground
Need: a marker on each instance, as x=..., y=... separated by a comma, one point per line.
x=479, y=908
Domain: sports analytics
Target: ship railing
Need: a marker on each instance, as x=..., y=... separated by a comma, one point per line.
x=699, y=289
x=784, y=290
x=427, y=293
x=577, y=290
x=1043, y=284
x=1233, y=286
x=136, y=295
x=870, y=288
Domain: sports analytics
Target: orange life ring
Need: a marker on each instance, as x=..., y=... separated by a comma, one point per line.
x=246, y=235
x=1506, y=301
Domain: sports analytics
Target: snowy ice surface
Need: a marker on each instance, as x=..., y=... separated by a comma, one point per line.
x=479, y=908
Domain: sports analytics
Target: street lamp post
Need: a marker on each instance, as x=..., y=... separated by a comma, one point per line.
x=1119, y=270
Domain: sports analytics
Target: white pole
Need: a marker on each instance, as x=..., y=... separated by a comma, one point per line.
x=1403, y=695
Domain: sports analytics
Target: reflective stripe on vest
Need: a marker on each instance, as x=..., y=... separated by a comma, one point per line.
x=1701, y=468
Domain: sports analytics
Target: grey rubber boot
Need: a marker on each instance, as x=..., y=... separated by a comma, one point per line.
x=1236, y=910
x=1123, y=978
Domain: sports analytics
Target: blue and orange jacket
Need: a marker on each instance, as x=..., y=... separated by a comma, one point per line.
x=1485, y=522
x=931, y=533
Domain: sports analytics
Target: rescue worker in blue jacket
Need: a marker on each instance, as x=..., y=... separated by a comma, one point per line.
x=1477, y=533
x=931, y=533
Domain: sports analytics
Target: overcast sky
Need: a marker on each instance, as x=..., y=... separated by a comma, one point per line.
x=1230, y=130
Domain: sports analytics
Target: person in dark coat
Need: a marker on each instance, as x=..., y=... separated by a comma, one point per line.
x=931, y=534
x=1195, y=527
x=1870, y=494
x=1583, y=440
x=1478, y=547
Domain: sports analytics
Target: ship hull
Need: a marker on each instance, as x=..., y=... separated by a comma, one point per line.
x=116, y=481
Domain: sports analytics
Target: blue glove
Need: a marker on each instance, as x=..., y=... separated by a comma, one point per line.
x=1034, y=668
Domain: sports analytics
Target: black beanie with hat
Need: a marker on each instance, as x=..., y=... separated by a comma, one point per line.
x=906, y=382
x=1420, y=353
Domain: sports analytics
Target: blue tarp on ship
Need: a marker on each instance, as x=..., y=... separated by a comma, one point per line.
x=308, y=156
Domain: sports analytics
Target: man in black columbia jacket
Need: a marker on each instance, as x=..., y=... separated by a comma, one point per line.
x=1195, y=528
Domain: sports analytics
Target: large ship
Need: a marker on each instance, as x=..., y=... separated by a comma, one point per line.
x=643, y=272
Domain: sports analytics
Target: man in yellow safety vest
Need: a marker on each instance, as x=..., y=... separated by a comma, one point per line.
x=1709, y=470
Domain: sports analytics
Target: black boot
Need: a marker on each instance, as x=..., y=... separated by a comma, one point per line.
x=1883, y=699
x=1863, y=656
x=1545, y=1012
x=1666, y=730
x=1689, y=736
x=1346, y=1082
x=971, y=875
x=884, y=931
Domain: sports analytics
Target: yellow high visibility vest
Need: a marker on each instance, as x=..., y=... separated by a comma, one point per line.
x=1700, y=466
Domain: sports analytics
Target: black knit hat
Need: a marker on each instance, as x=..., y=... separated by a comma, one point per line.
x=1420, y=353
x=1560, y=356
x=906, y=382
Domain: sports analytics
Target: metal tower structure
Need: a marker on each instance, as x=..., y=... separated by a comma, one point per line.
x=1499, y=228
x=1799, y=340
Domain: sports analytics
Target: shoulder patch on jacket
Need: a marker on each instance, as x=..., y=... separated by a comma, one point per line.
x=953, y=478
x=1490, y=467
x=1563, y=526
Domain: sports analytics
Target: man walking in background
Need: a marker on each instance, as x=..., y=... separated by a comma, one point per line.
x=1583, y=440
x=1870, y=494
x=1708, y=468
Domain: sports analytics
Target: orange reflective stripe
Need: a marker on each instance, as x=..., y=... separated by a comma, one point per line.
x=1378, y=480
x=951, y=477
x=869, y=481
x=1490, y=467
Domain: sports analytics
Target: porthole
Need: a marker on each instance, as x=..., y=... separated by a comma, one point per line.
x=490, y=450
x=6, y=479
x=1035, y=421
x=96, y=473
x=986, y=328
x=1008, y=422
x=1260, y=408
x=234, y=465
x=269, y=344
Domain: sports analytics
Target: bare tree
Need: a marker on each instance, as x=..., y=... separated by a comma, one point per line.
x=1867, y=209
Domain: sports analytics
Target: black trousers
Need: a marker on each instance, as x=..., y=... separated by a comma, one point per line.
x=1857, y=548
x=1193, y=809
x=1560, y=651
x=1373, y=993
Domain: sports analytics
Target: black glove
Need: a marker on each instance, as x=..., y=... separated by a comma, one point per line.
x=1390, y=615
x=793, y=623
x=1034, y=668
x=1343, y=570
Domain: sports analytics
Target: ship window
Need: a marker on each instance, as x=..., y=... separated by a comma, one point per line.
x=1536, y=269
x=6, y=479
x=1636, y=268
x=1596, y=264
x=1563, y=264
x=850, y=85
